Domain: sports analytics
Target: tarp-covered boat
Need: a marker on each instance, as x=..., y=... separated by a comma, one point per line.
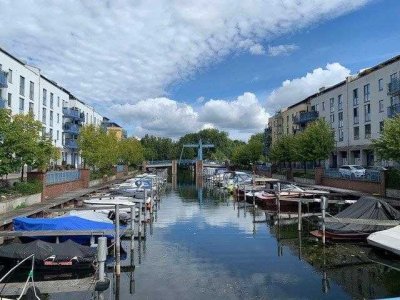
x=49, y=255
x=72, y=223
x=388, y=240
x=367, y=208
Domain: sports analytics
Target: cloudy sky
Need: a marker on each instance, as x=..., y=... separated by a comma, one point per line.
x=170, y=67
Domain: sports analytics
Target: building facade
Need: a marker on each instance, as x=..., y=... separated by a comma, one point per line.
x=356, y=109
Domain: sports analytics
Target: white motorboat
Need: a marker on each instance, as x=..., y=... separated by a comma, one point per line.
x=388, y=239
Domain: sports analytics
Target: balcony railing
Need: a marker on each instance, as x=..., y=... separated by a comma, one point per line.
x=3, y=79
x=393, y=110
x=70, y=144
x=394, y=87
x=71, y=128
x=305, y=117
x=62, y=176
x=73, y=114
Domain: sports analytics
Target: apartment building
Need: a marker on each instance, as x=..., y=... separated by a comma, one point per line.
x=356, y=109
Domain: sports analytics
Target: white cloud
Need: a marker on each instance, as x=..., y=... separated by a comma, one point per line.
x=164, y=116
x=292, y=91
x=282, y=49
x=126, y=51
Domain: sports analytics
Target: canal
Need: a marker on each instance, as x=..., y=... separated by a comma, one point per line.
x=202, y=245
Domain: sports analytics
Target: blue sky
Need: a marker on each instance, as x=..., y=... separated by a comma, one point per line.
x=172, y=67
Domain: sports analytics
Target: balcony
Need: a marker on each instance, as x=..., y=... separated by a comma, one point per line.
x=394, y=87
x=305, y=117
x=3, y=79
x=71, y=128
x=393, y=110
x=73, y=114
x=71, y=144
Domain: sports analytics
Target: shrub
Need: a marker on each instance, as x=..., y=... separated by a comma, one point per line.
x=28, y=188
x=393, y=179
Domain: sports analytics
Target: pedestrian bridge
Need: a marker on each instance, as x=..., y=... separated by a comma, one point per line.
x=182, y=162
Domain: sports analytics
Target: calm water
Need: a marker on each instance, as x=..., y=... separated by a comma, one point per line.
x=201, y=246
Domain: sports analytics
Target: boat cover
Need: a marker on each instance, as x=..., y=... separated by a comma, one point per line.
x=61, y=223
x=43, y=250
x=388, y=239
x=367, y=207
x=91, y=215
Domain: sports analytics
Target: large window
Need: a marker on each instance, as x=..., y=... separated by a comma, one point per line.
x=21, y=105
x=9, y=76
x=51, y=100
x=367, y=130
x=22, y=86
x=340, y=117
x=332, y=104
x=31, y=90
x=380, y=84
x=340, y=102
x=355, y=115
x=44, y=97
x=51, y=118
x=9, y=99
x=340, y=134
x=366, y=93
x=31, y=108
x=356, y=131
x=332, y=118
x=367, y=113
x=44, y=116
x=323, y=105
x=355, y=97
x=381, y=124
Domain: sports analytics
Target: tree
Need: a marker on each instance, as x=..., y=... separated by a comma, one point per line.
x=131, y=151
x=284, y=150
x=388, y=144
x=246, y=154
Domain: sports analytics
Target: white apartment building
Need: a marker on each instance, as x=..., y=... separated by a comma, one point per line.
x=24, y=89
x=356, y=109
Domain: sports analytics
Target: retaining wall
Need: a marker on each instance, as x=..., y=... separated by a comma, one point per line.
x=9, y=205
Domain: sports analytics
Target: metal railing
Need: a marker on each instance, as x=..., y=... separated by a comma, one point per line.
x=73, y=114
x=370, y=175
x=394, y=87
x=305, y=117
x=55, y=177
x=71, y=128
x=159, y=162
x=393, y=110
x=71, y=144
x=3, y=79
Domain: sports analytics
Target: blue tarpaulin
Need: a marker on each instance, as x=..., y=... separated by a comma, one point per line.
x=72, y=223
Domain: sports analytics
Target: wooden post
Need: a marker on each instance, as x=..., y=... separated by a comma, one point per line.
x=323, y=206
x=133, y=215
x=117, y=243
x=299, y=215
x=140, y=216
x=278, y=196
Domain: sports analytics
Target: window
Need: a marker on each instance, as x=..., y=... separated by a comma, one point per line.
x=331, y=104
x=355, y=97
x=51, y=100
x=43, y=131
x=332, y=118
x=340, y=102
x=380, y=84
x=58, y=118
x=58, y=134
x=9, y=77
x=317, y=107
x=31, y=108
x=44, y=116
x=367, y=129
x=340, y=119
x=323, y=105
x=22, y=86
x=355, y=115
x=21, y=105
x=31, y=90
x=366, y=93
x=44, y=97
x=58, y=101
x=9, y=99
x=393, y=76
x=340, y=134
x=356, y=131
x=380, y=105
x=367, y=113
x=51, y=133
x=51, y=118
x=381, y=124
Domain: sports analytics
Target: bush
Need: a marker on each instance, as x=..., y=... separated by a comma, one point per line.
x=309, y=174
x=393, y=179
x=28, y=188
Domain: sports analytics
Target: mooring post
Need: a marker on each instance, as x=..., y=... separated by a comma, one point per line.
x=299, y=215
x=101, y=255
x=140, y=216
x=278, y=196
x=117, y=243
x=323, y=207
x=152, y=197
x=133, y=215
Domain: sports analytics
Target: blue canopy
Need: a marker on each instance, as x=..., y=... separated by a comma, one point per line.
x=72, y=223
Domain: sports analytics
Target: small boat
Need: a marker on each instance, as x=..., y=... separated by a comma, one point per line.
x=49, y=256
x=388, y=240
x=367, y=208
x=64, y=223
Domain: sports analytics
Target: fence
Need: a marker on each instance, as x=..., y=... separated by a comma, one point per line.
x=370, y=175
x=62, y=176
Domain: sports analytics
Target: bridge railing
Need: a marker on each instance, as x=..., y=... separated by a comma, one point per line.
x=159, y=162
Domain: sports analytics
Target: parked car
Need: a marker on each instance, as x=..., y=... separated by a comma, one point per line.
x=352, y=171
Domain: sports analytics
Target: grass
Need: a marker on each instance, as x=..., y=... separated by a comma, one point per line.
x=20, y=189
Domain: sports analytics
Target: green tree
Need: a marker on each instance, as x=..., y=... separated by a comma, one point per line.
x=388, y=144
x=131, y=152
